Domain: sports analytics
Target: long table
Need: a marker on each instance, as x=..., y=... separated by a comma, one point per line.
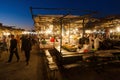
x=99, y=53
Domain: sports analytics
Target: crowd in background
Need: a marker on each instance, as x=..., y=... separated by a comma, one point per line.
x=97, y=42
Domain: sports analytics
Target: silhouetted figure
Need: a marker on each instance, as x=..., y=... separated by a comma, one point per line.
x=82, y=41
x=26, y=47
x=13, y=49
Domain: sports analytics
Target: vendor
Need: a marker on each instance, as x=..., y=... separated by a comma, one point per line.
x=52, y=39
x=86, y=47
x=82, y=40
x=97, y=41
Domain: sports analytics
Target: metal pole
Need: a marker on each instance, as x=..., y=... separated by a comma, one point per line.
x=61, y=26
x=83, y=29
x=54, y=37
x=69, y=32
x=31, y=11
x=60, y=35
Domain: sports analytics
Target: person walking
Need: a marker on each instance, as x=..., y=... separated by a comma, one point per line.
x=13, y=49
x=26, y=47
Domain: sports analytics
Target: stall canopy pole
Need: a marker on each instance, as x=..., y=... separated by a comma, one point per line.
x=61, y=35
x=83, y=29
x=31, y=12
x=69, y=31
x=61, y=26
x=54, y=36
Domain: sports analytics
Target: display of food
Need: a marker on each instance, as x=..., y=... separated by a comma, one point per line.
x=68, y=47
x=43, y=42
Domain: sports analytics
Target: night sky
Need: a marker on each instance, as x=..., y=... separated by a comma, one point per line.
x=17, y=12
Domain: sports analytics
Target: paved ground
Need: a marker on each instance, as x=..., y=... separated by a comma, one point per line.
x=36, y=69
x=19, y=70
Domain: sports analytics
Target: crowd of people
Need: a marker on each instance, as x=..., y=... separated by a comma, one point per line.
x=17, y=43
x=95, y=42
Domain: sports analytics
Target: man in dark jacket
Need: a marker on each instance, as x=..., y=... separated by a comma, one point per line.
x=13, y=49
x=26, y=47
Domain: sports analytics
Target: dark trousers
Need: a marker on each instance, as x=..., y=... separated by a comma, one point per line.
x=11, y=55
x=27, y=55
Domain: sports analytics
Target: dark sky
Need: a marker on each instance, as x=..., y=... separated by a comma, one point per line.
x=17, y=12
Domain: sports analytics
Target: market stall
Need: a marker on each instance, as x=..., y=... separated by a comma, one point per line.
x=66, y=30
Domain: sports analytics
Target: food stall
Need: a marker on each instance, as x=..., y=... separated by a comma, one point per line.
x=67, y=29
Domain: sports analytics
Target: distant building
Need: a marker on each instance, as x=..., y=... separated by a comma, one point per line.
x=0, y=24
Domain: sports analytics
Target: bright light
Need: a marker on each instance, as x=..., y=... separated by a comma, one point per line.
x=25, y=32
x=76, y=29
x=67, y=32
x=111, y=31
x=48, y=31
x=118, y=29
x=6, y=33
x=51, y=27
x=88, y=31
x=94, y=30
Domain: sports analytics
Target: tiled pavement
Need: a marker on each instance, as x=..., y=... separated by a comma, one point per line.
x=19, y=70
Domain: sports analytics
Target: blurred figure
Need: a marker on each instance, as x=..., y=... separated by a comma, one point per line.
x=8, y=42
x=86, y=47
x=97, y=42
x=13, y=49
x=26, y=47
x=4, y=41
x=18, y=42
x=91, y=40
x=82, y=40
